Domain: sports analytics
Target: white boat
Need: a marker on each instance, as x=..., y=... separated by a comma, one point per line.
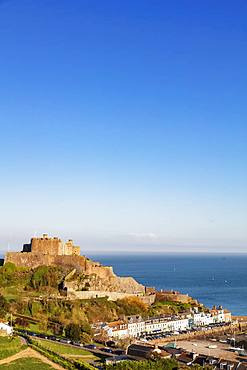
x=235, y=349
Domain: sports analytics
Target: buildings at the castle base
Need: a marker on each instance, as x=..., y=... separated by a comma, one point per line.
x=135, y=326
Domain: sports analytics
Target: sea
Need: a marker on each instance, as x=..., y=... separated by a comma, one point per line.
x=211, y=279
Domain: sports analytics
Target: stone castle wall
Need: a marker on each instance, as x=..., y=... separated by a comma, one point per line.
x=33, y=260
x=112, y=296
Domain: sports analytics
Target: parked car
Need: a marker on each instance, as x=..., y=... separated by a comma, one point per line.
x=90, y=346
x=105, y=349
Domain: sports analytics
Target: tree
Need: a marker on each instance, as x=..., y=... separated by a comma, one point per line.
x=45, y=276
x=145, y=365
x=85, y=338
x=132, y=306
x=86, y=327
x=73, y=332
x=3, y=306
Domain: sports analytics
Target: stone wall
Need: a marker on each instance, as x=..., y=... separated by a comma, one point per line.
x=173, y=297
x=149, y=299
x=112, y=296
x=33, y=260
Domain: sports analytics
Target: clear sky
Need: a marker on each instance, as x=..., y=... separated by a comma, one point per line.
x=123, y=123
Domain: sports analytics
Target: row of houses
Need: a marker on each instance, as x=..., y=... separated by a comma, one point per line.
x=136, y=326
x=137, y=352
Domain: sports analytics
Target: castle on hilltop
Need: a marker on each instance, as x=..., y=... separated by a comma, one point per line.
x=48, y=251
x=99, y=281
x=51, y=246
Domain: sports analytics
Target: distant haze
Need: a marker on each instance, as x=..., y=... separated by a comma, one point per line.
x=123, y=124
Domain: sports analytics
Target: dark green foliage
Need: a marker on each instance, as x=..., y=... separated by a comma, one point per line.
x=158, y=364
x=9, y=268
x=86, y=327
x=7, y=274
x=78, y=332
x=10, y=275
x=145, y=365
x=45, y=276
x=3, y=306
x=73, y=332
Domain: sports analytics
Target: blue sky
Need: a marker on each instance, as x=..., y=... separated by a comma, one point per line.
x=123, y=124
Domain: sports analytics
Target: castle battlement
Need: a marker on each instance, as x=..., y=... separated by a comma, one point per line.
x=51, y=246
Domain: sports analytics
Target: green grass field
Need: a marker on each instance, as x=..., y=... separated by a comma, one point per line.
x=26, y=364
x=67, y=350
x=10, y=346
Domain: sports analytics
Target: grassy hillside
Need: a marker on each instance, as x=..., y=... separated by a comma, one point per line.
x=67, y=350
x=27, y=364
x=36, y=295
x=10, y=346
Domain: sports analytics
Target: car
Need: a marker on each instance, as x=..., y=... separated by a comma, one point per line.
x=119, y=352
x=90, y=346
x=67, y=341
x=108, y=350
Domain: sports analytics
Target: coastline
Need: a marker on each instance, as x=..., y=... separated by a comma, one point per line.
x=211, y=279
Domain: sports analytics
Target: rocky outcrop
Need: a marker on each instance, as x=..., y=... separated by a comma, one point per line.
x=112, y=283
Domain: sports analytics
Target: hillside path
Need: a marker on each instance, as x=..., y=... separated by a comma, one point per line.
x=29, y=352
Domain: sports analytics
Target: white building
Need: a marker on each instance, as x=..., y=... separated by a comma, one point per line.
x=6, y=329
x=220, y=315
x=136, y=326
x=202, y=319
x=156, y=325
x=116, y=329
x=178, y=324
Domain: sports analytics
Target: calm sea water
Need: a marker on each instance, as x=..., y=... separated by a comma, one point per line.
x=212, y=279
